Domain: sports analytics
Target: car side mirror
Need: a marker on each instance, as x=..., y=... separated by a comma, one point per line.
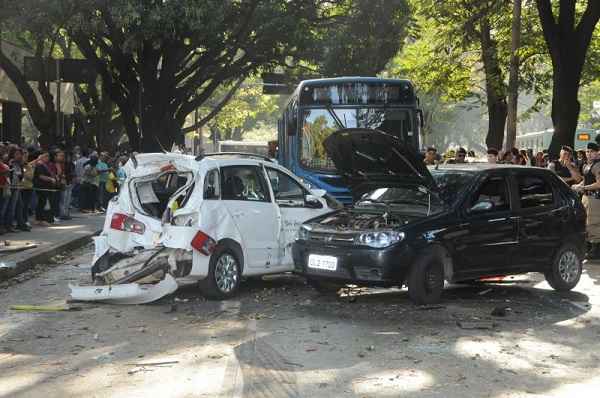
x=319, y=193
x=484, y=205
x=312, y=202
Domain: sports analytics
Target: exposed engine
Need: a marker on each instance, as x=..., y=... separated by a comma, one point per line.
x=350, y=220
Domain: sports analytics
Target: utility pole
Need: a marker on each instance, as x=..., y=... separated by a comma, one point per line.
x=513, y=77
x=58, y=118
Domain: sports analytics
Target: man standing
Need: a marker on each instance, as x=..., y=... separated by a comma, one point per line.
x=590, y=187
x=103, y=170
x=430, y=156
x=460, y=157
x=564, y=166
x=492, y=155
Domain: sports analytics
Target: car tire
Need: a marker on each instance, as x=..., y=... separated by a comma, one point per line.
x=325, y=288
x=224, y=274
x=565, y=271
x=426, y=280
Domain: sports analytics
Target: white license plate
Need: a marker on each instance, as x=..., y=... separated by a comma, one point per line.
x=328, y=263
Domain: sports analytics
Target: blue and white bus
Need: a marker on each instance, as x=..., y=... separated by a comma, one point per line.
x=540, y=140
x=319, y=107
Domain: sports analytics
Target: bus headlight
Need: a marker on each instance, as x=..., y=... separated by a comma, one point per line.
x=379, y=239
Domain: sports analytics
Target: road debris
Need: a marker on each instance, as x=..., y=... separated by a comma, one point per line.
x=44, y=308
x=165, y=363
x=481, y=325
x=501, y=311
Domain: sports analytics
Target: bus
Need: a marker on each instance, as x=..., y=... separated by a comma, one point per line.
x=319, y=107
x=540, y=140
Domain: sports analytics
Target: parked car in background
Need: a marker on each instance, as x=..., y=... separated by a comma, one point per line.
x=420, y=227
x=211, y=220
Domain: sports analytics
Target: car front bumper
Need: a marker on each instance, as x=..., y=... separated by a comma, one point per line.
x=362, y=265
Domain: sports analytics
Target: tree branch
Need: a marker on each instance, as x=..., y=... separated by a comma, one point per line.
x=217, y=108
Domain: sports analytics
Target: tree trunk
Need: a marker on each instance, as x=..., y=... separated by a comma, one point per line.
x=565, y=108
x=513, y=78
x=494, y=86
x=567, y=44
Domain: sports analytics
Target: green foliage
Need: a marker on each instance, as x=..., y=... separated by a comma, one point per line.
x=589, y=116
x=364, y=37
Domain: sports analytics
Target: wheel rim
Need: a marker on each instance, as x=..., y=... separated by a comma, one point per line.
x=226, y=273
x=432, y=279
x=568, y=266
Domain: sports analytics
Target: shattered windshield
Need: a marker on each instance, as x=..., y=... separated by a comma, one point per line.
x=451, y=183
x=405, y=196
x=318, y=124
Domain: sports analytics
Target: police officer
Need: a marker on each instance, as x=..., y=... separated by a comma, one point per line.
x=590, y=187
x=565, y=168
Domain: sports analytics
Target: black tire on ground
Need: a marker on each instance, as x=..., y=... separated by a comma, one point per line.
x=426, y=278
x=565, y=271
x=325, y=288
x=224, y=274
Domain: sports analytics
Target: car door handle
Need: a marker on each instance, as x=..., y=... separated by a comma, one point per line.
x=497, y=219
x=238, y=214
x=255, y=211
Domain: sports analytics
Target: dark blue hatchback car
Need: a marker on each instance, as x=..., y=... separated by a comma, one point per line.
x=419, y=227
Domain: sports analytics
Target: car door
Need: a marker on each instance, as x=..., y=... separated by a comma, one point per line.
x=488, y=235
x=290, y=197
x=246, y=196
x=541, y=216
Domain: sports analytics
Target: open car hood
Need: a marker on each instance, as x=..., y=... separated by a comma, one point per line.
x=369, y=158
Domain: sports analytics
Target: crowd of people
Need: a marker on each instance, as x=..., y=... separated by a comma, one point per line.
x=44, y=185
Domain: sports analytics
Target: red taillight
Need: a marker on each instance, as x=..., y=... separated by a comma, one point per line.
x=122, y=222
x=204, y=243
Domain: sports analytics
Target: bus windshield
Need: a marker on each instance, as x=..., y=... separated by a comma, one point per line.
x=318, y=124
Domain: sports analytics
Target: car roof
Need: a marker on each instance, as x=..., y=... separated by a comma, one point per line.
x=476, y=167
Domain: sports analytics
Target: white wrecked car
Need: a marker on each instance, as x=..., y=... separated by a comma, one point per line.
x=183, y=219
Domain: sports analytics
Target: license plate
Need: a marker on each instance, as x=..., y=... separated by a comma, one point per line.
x=328, y=263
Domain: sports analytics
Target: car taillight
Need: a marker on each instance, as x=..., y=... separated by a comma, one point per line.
x=122, y=222
x=204, y=243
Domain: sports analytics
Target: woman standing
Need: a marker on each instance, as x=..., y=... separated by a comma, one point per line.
x=45, y=183
x=68, y=178
x=27, y=192
x=89, y=186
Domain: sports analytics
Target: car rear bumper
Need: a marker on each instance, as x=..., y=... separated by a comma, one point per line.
x=361, y=265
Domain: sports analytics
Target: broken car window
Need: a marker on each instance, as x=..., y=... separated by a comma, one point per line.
x=211, y=185
x=244, y=183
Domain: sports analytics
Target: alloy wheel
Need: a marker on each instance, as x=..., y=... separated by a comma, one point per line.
x=226, y=273
x=568, y=266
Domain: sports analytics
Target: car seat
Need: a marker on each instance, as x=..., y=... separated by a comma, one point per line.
x=233, y=188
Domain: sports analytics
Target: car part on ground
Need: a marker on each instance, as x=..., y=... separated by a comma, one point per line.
x=130, y=293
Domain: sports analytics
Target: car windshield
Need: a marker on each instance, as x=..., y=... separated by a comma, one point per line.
x=451, y=183
x=318, y=124
x=411, y=198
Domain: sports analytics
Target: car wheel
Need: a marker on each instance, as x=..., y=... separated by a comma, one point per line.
x=224, y=275
x=426, y=280
x=566, y=269
x=325, y=288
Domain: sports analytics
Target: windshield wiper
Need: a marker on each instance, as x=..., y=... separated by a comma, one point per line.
x=335, y=117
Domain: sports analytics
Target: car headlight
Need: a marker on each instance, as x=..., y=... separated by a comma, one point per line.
x=379, y=239
x=303, y=233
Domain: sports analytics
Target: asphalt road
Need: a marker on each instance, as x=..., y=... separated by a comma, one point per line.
x=280, y=338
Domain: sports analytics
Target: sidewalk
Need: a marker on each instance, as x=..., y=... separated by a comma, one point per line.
x=48, y=241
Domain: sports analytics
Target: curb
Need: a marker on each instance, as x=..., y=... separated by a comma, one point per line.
x=38, y=255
